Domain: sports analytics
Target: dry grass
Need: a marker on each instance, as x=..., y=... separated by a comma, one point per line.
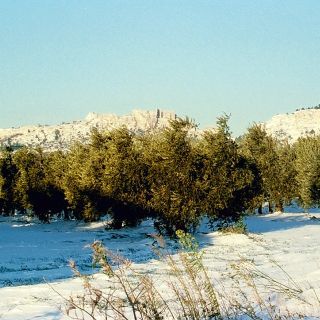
x=190, y=293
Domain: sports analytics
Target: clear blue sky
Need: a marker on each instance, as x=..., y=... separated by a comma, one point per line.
x=253, y=59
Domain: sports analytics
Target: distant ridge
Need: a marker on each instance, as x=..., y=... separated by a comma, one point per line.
x=291, y=126
x=61, y=136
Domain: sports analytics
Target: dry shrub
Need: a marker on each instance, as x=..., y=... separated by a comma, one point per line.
x=187, y=291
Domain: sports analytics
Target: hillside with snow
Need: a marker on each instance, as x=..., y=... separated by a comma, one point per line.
x=291, y=126
x=61, y=136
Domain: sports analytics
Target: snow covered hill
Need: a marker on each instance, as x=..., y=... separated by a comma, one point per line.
x=284, y=126
x=61, y=136
x=291, y=126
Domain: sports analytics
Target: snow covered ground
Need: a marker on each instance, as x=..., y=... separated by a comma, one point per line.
x=32, y=254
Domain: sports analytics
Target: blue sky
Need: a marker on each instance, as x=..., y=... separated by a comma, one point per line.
x=60, y=60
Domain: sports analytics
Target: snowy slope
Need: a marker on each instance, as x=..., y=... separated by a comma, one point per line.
x=284, y=126
x=61, y=136
x=290, y=239
x=294, y=125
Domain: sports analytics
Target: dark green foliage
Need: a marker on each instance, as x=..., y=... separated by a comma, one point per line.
x=107, y=176
x=274, y=162
x=169, y=175
x=81, y=182
x=54, y=168
x=124, y=178
x=173, y=177
x=287, y=182
x=35, y=186
x=229, y=181
x=8, y=175
x=307, y=165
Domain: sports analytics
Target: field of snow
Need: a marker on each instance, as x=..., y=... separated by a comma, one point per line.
x=34, y=257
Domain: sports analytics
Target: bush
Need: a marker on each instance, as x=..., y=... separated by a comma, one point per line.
x=237, y=227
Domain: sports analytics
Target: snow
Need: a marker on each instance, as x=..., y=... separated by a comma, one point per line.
x=291, y=126
x=31, y=252
x=38, y=255
x=55, y=137
x=61, y=136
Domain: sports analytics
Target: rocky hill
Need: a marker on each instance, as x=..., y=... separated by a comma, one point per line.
x=291, y=126
x=61, y=136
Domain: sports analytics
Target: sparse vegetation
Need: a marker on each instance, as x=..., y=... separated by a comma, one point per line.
x=187, y=291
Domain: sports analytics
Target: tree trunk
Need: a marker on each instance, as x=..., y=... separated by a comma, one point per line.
x=279, y=206
x=260, y=209
x=66, y=214
x=270, y=207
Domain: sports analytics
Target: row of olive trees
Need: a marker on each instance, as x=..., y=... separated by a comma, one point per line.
x=170, y=176
x=288, y=172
